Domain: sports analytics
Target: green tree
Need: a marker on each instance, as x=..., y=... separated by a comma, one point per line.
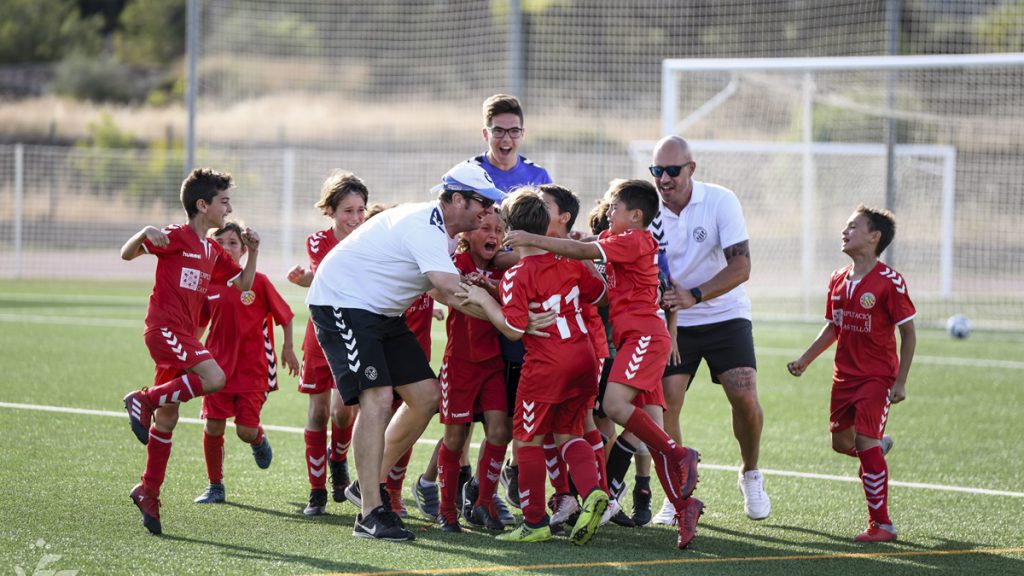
x=46, y=30
x=152, y=31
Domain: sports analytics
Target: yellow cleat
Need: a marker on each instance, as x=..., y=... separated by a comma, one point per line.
x=524, y=533
x=590, y=517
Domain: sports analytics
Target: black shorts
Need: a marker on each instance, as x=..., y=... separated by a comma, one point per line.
x=602, y=385
x=367, y=350
x=512, y=371
x=724, y=345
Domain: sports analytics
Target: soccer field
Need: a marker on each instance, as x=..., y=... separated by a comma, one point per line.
x=70, y=351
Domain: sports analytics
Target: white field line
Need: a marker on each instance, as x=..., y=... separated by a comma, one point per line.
x=432, y=442
x=762, y=351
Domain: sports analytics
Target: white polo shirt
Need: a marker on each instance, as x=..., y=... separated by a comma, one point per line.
x=693, y=241
x=381, y=267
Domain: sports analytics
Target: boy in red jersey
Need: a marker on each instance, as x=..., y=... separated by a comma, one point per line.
x=241, y=327
x=187, y=263
x=867, y=301
x=633, y=398
x=472, y=382
x=558, y=377
x=343, y=198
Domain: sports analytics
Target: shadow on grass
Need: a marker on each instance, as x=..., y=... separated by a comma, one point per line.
x=248, y=553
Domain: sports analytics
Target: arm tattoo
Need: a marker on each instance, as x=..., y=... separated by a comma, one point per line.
x=738, y=249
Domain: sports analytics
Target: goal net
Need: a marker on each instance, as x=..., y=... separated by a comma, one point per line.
x=803, y=141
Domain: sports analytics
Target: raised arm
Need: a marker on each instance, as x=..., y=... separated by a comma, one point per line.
x=132, y=249
x=252, y=244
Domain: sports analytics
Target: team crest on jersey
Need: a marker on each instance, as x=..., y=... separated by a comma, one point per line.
x=189, y=279
x=248, y=297
x=700, y=234
x=868, y=300
x=371, y=373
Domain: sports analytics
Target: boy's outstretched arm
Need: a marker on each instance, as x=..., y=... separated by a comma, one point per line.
x=132, y=249
x=825, y=338
x=301, y=276
x=252, y=243
x=562, y=246
x=908, y=343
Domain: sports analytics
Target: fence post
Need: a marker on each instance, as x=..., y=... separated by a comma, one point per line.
x=19, y=201
x=287, y=206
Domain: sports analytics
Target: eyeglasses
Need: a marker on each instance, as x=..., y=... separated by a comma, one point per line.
x=673, y=171
x=499, y=132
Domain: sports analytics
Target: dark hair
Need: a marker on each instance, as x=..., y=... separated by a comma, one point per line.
x=636, y=194
x=565, y=199
x=228, y=227
x=880, y=220
x=525, y=210
x=599, y=217
x=338, y=185
x=501, y=104
x=202, y=184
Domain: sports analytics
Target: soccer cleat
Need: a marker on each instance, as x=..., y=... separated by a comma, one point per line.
x=317, y=502
x=148, y=506
x=641, y=506
x=618, y=515
x=562, y=507
x=887, y=443
x=353, y=495
x=339, y=479
x=140, y=414
x=380, y=524
x=465, y=476
x=687, y=520
x=524, y=533
x=450, y=525
x=214, y=494
x=667, y=514
x=468, y=495
x=481, y=517
x=397, y=506
x=427, y=498
x=504, y=514
x=590, y=517
x=262, y=453
x=510, y=481
x=687, y=470
x=755, y=500
x=877, y=533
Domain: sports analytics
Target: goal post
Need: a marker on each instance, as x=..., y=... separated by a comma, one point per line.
x=809, y=135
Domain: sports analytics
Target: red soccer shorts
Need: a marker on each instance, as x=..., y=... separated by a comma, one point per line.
x=640, y=362
x=469, y=388
x=174, y=353
x=244, y=407
x=863, y=404
x=534, y=418
x=315, y=376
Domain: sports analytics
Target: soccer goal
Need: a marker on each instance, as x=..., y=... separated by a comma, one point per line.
x=802, y=141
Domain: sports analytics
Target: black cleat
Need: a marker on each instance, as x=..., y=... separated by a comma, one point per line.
x=317, y=502
x=339, y=479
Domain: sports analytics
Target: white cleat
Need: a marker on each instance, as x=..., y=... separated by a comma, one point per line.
x=755, y=500
x=667, y=515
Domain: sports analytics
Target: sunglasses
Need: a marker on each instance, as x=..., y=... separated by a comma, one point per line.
x=485, y=202
x=673, y=171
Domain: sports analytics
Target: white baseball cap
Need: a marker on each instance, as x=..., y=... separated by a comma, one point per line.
x=470, y=177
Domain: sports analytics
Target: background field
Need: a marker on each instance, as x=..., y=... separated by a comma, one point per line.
x=65, y=476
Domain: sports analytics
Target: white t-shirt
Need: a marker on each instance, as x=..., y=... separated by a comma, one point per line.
x=381, y=267
x=693, y=241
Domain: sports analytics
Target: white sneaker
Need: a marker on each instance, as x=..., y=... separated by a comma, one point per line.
x=612, y=509
x=562, y=507
x=755, y=500
x=667, y=515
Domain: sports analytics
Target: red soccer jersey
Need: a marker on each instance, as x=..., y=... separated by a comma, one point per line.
x=185, y=268
x=865, y=315
x=469, y=338
x=236, y=338
x=559, y=284
x=631, y=264
x=419, y=317
x=318, y=244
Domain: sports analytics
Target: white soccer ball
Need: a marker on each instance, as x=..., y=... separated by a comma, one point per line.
x=958, y=326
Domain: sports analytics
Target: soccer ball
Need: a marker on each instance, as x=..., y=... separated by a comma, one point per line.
x=958, y=326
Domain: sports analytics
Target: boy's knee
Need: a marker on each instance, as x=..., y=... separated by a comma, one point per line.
x=246, y=434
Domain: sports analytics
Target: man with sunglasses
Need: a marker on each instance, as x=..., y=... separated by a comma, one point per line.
x=356, y=302
x=704, y=235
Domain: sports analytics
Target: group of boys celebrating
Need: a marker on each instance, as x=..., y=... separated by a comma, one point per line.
x=519, y=279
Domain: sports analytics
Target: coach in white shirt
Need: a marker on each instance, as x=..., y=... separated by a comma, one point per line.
x=703, y=233
x=356, y=301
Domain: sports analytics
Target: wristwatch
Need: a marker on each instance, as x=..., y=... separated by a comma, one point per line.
x=697, y=295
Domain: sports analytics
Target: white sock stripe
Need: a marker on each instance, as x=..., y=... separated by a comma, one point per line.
x=569, y=443
x=159, y=439
x=188, y=385
x=621, y=446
